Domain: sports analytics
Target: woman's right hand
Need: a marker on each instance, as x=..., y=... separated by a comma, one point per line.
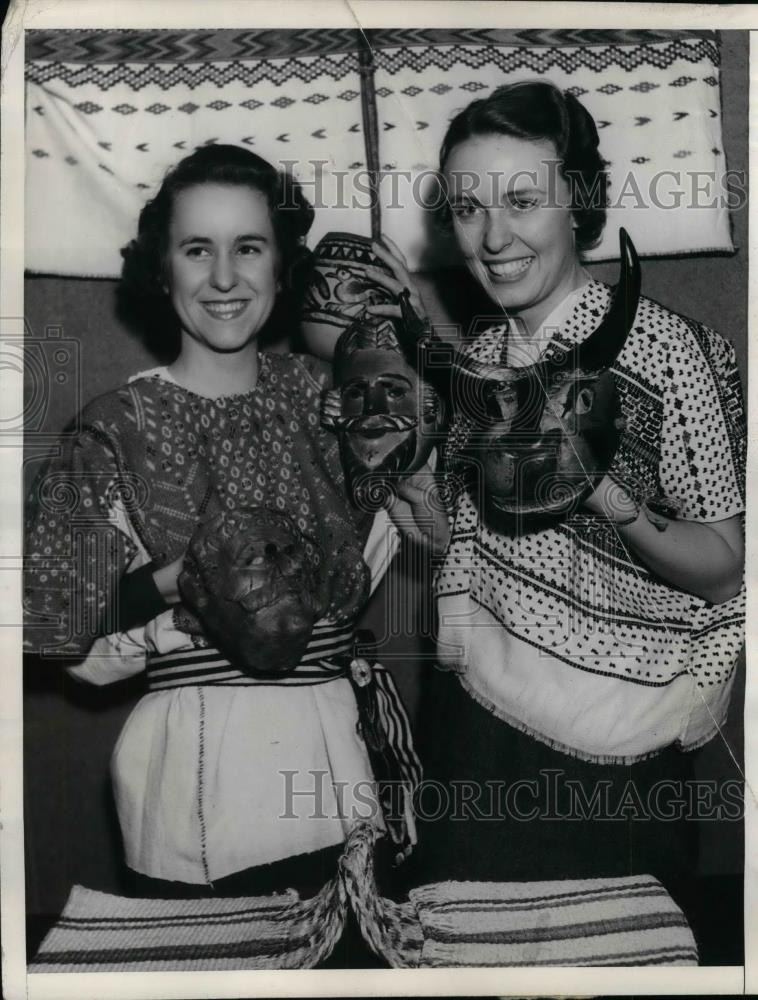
x=166, y=580
x=345, y=586
x=395, y=283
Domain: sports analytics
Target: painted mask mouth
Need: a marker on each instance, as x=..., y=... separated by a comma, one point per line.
x=521, y=447
x=523, y=476
x=397, y=460
x=375, y=426
x=278, y=589
x=560, y=497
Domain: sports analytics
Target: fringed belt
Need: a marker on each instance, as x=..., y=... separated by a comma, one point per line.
x=331, y=654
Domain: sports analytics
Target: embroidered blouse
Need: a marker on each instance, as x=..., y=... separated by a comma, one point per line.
x=214, y=772
x=564, y=633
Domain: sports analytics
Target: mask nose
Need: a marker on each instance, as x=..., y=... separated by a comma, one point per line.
x=284, y=558
x=498, y=232
x=374, y=401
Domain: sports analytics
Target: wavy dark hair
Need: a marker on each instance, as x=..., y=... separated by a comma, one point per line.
x=537, y=111
x=143, y=302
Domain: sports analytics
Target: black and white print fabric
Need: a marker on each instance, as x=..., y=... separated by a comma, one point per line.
x=564, y=632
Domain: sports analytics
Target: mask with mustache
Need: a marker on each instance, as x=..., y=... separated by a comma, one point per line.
x=385, y=415
x=252, y=580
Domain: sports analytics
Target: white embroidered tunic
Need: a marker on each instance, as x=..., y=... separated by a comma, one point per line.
x=564, y=633
x=219, y=772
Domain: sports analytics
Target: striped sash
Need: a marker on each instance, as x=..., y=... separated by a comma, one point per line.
x=193, y=667
x=397, y=726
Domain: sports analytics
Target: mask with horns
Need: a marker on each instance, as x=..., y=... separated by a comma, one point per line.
x=543, y=435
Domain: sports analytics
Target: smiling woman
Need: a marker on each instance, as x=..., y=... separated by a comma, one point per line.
x=522, y=253
x=598, y=645
x=223, y=271
x=170, y=472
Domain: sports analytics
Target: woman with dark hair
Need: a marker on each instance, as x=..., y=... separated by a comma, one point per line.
x=203, y=765
x=588, y=656
x=143, y=301
x=539, y=112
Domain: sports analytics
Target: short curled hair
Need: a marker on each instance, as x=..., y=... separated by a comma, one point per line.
x=537, y=111
x=143, y=300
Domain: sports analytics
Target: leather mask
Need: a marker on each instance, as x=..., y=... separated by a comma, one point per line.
x=252, y=579
x=542, y=436
x=385, y=415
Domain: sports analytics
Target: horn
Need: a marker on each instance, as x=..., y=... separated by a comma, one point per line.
x=604, y=344
x=415, y=328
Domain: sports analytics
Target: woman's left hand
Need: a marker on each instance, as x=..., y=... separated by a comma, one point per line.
x=611, y=500
x=417, y=511
x=395, y=283
x=703, y=559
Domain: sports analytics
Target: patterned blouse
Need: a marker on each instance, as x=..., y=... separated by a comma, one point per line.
x=564, y=633
x=134, y=480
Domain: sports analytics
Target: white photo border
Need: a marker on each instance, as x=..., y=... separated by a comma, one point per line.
x=38, y=14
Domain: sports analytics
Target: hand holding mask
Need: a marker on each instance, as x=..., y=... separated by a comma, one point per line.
x=340, y=289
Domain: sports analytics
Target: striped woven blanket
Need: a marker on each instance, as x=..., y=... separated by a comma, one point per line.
x=98, y=932
x=590, y=922
x=608, y=921
x=572, y=922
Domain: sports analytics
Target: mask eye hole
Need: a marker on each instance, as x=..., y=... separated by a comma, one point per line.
x=289, y=550
x=585, y=399
x=270, y=550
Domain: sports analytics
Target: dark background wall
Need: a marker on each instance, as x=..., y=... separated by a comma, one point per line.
x=70, y=729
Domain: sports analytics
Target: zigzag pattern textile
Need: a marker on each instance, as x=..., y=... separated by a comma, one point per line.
x=109, y=112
